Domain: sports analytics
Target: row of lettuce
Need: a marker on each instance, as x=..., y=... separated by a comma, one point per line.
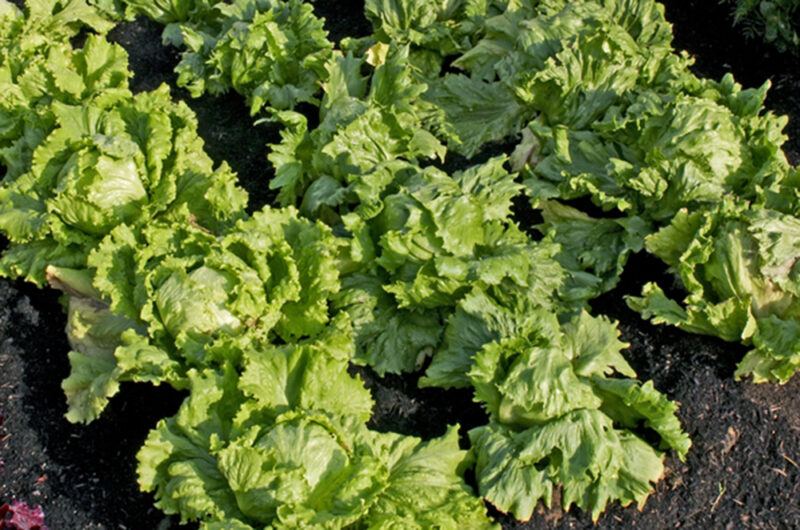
x=377, y=258
x=591, y=101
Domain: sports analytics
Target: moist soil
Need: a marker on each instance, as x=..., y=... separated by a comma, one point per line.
x=743, y=470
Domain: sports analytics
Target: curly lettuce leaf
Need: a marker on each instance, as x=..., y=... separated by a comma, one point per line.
x=96, y=335
x=62, y=19
x=307, y=375
x=157, y=302
x=478, y=113
x=412, y=21
x=432, y=30
x=171, y=11
x=425, y=489
x=566, y=62
x=663, y=150
x=38, y=66
x=435, y=239
x=487, y=314
x=438, y=235
x=389, y=339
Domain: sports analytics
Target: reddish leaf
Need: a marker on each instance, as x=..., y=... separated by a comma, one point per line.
x=20, y=516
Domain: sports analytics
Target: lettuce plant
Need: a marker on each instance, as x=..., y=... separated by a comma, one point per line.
x=433, y=265
x=271, y=51
x=39, y=66
x=561, y=416
x=125, y=160
x=742, y=275
x=565, y=61
x=155, y=303
x=369, y=129
x=284, y=445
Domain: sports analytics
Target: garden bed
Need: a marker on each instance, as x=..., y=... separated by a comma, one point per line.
x=742, y=472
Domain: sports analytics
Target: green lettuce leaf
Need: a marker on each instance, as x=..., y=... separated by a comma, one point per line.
x=389, y=339
x=171, y=11
x=478, y=112
x=663, y=150
x=425, y=489
x=434, y=240
x=308, y=375
x=433, y=30
x=38, y=65
x=490, y=314
x=567, y=62
x=62, y=19
x=96, y=334
x=440, y=234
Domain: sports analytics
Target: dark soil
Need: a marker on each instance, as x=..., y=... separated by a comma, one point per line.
x=742, y=472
